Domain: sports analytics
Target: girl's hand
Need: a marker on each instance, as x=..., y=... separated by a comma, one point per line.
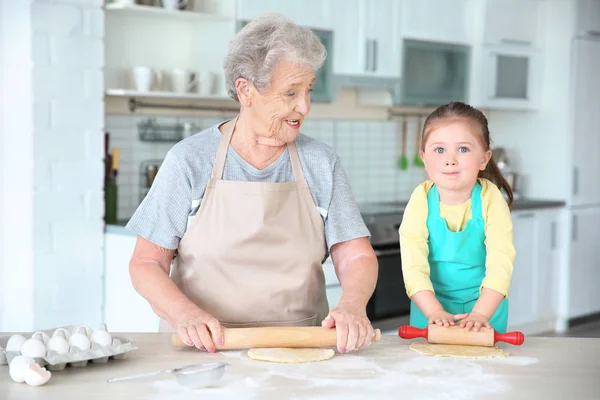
x=474, y=321
x=442, y=318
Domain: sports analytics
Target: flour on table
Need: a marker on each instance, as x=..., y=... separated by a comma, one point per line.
x=454, y=350
x=293, y=356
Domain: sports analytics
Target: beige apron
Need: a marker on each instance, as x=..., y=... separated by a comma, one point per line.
x=252, y=254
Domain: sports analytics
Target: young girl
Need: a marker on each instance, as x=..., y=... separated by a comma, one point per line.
x=456, y=235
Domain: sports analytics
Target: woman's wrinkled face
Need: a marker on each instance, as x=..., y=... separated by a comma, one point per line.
x=279, y=110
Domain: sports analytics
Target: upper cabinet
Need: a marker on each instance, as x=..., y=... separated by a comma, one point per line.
x=515, y=22
x=366, y=38
x=438, y=20
x=588, y=17
x=310, y=13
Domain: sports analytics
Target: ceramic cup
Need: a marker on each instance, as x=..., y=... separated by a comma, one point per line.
x=182, y=80
x=173, y=5
x=142, y=78
x=206, y=83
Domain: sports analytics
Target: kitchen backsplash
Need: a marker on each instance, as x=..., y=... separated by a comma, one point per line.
x=369, y=151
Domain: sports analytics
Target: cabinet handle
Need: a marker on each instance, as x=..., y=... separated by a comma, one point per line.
x=593, y=33
x=516, y=41
x=368, y=55
x=553, y=236
x=374, y=55
x=526, y=215
x=574, y=228
x=575, y=181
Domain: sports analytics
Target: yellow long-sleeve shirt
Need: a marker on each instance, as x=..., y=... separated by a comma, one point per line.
x=498, y=237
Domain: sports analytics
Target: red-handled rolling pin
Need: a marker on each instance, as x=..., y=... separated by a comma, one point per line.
x=457, y=335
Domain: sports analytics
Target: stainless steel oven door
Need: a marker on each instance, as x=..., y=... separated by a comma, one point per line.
x=389, y=306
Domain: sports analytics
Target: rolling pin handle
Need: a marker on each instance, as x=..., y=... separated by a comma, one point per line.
x=516, y=338
x=410, y=332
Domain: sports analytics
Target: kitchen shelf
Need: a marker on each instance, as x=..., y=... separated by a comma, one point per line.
x=152, y=11
x=164, y=95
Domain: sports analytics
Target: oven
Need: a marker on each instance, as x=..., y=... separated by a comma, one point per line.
x=389, y=305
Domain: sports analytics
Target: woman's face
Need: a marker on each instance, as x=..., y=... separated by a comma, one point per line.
x=278, y=112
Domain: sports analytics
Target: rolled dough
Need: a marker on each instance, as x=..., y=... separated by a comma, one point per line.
x=453, y=350
x=285, y=355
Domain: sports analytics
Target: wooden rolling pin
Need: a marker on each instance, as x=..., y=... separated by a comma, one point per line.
x=293, y=336
x=457, y=335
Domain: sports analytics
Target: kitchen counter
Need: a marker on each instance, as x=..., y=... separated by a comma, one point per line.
x=394, y=207
x=542, y=368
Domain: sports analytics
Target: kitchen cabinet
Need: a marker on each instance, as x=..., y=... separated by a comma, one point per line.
x=533, y=295
x=193, y=41
x=124, y=309
x=584, y=296
x=510, y=77
x=516, y=22
x=588, y=17
x=586, y=119
x=310, y=13
x=366, y=38
x=438, y=20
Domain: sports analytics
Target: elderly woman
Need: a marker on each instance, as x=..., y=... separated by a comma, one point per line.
x=253, y=207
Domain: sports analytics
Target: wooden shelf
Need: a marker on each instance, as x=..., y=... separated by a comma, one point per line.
x=164, y=95
x=150, y=11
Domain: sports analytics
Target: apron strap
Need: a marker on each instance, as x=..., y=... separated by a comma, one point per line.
x=296, y=166
x=219, y=164
x=433, y=202
x=476, y=201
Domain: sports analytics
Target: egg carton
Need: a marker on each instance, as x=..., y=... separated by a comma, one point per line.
x=76, y=357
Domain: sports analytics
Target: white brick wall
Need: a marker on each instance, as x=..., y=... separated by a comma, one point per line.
x=62, y=201
x=67, y=85
x=368, y=150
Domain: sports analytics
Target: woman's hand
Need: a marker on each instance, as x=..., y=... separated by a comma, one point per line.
x=354, y=329
x=474, y=321
x=198, y=328
x=443, y=318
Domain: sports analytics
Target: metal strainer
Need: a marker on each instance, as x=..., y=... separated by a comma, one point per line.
x=193, y=376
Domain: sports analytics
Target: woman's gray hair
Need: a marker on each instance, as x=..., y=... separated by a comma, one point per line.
x=260, y=45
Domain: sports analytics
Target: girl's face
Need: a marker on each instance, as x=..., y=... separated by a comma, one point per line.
x=453, y=155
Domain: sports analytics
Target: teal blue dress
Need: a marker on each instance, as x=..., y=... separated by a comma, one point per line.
x=457, y=262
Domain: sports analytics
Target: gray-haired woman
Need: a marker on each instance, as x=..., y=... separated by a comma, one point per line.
x=253, y=208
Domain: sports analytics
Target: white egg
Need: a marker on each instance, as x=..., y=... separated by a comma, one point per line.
x=102, y=338
x=15, y=342
x=34, y=347
x=34, y=375
x=58, y=344
x=80, y=340
x=17, y=367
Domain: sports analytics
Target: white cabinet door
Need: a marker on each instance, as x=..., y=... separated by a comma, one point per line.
x=586, y=132
x=521, y=295
x=350, y=56
x=512, y=22
x=437, y=20
x=584, y=296
x=310, y=13
x=588, y=17
x=124, y=309
x=334, y=294
x=366, y=38
x=548, y=254
x=382, y=29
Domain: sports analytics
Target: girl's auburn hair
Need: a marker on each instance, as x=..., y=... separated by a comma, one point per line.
x=461, y=111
